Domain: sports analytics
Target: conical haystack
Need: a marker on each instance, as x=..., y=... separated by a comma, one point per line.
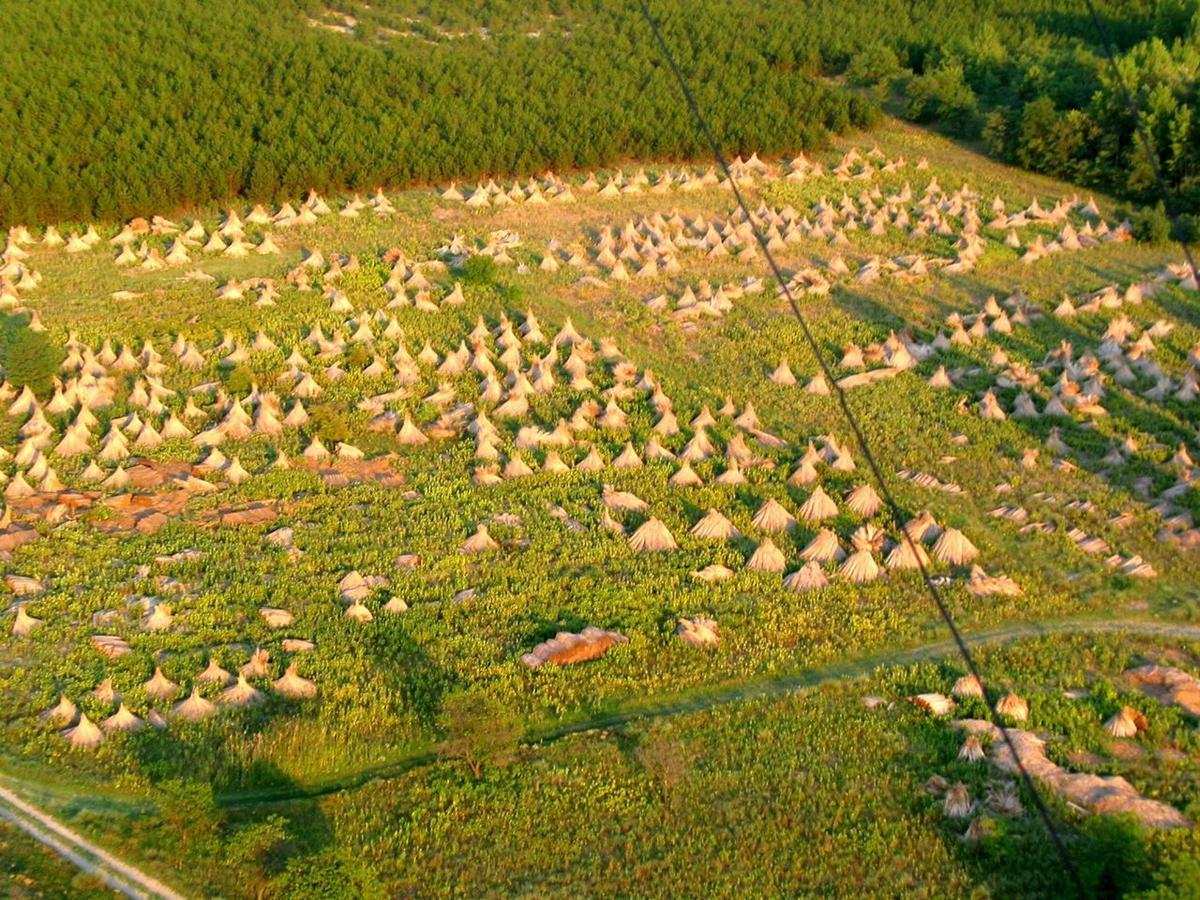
x=122, y=720
x=85, y=734
x=652, y=535
x=479, y=542
x=293, y=685
x=818, y=507
x=1013, y=707
x=808, y=577
x=772, y=517
x=767, y=558
x=954, y=548
x=714, y=527
x=1126, y=723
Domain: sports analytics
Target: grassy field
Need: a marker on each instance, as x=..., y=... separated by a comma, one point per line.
x=829, y=789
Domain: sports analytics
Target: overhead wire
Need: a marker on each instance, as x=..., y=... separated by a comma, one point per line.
x=864, y=446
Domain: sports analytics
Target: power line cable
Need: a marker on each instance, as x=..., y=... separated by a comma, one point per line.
x=865, y=448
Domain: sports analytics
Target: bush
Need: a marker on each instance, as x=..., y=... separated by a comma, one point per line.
x=873, y=65
x=479, y=270
x=480, y=731
x=239, y=380
x=943, y=95
x=1151, y=225
x=327, y=421
x=1187, y=228
x=32, y=360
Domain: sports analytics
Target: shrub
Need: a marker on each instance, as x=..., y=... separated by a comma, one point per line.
x=873, y=65
x=239, y=380
x=327, y=421
x=479, y=270
x=943, y=95
x=480, y=731
x=1151, y=225
x=32, y=359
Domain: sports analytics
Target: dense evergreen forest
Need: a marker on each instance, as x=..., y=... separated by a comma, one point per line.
x=111, y=113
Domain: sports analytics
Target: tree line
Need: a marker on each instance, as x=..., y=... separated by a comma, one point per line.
x=107, y=115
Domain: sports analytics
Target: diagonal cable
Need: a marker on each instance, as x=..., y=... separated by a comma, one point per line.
x=865, y=449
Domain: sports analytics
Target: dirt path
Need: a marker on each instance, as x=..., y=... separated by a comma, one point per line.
x=79, y=851
x=708, y=699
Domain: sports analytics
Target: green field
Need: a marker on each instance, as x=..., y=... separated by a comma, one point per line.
x=751, y=766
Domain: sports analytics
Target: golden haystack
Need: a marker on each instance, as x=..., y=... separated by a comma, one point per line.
x=479, y=542
x=818, y=507
x=713, y=573
x=1013, y=707
x=714, y=527
x=122, y=720
x=652, y=535
x=972, y=749
x=967, y=686
x=84, y=734
x=938, y=704
x=293, y=685
x=1126, y=723
x=958, y=803
x=808, y=577
x=864, y=501
x=771, y=516
x=159, y=686
x=767, y=558
x=860, y=567
x=241, y=693
x=825, y=547
x=195, y=708
x=954, y=548
x=699, y=632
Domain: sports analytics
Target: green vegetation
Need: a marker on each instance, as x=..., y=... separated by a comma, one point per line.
x=430, y=751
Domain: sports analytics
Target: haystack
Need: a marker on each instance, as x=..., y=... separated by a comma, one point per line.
x=85, y=734
x=699, y=632
x=1127, y=723
x=1013, y=707
x=122, y=720
x=62, y=713
x=623, y=500
x=685, y=477
x=938, y=704
x=954, y=548
x=241, y=693
x=767, y=558
x=958, y=803
x=195, y=708
x=214, y=674
x=479, y=542
x=860, y=567
x=972, y=749
x=713, y=573
x=818, y=506
x=652, y=535
x=293, y=685
x=967, y=686
x=24, y=624
x=808, y=577
x=714, y=527
x=566, y=648
x=159, y=686
x=825, y=547
x=864, y=501
x=907, y=555
x=772, y=517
